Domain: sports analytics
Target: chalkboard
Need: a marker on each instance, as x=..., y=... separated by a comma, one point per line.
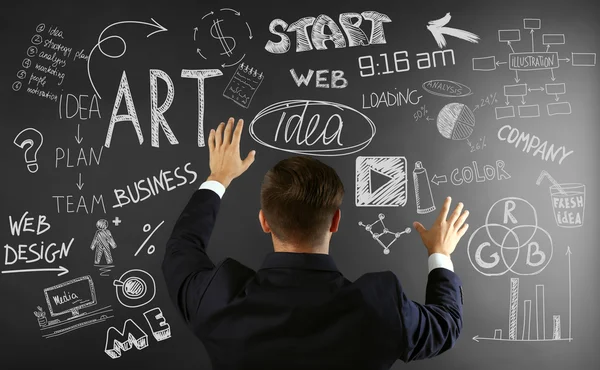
x=105, y=112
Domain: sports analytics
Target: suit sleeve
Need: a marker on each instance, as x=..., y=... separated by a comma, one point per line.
x=186, y=267
x=432, y=328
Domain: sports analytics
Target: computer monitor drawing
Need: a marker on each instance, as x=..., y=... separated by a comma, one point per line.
x=71, y=296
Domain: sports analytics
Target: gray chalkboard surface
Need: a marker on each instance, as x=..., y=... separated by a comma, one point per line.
x=105, y=106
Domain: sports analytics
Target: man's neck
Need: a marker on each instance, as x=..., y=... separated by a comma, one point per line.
x=281, y=247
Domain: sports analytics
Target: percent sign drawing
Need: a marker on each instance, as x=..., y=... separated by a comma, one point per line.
x=146, y=228
x=422, y=112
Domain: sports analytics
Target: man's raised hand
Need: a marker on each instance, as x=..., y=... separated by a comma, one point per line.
x=445, y=234
x=224, y=148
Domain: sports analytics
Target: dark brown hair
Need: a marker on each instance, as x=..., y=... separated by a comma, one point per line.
x=299, y=197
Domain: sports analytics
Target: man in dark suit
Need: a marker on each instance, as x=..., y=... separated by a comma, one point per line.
x=298, y=311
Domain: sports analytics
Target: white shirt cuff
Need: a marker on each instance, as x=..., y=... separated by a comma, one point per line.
x=215, y=186
x=440, y=260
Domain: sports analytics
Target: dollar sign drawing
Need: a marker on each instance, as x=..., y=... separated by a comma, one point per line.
x=217, y=34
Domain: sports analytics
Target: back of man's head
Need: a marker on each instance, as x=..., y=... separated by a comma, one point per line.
x=299, y=197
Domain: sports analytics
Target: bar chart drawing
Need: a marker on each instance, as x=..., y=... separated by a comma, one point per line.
x=521, y=319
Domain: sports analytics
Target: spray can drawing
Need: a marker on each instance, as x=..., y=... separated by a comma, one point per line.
x=423, y=194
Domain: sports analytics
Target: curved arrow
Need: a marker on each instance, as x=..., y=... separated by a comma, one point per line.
x=207, y=14
x=231, y=10
x=198, y=51
x=155, y=24
x=231, y=65
x=249, y=30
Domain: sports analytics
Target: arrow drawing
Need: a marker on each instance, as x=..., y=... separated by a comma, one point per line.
x=565, y=59
x=507, y=102
x=59, y=268
x=438, y=30
x=207, y=14
x=547, y=47
x=532, y=44
x=155, y=24
x=249, y=30
x=522, y=99
x=439, y=179
x=552, y=71
x=195, y=30
x=231, y=10
x=540, y=89
x=498, y=63
x=198, y=51
x=78, y=138
x=556, y=97
x=230, y=65
x=517, y=76
x=79, y=184
x=429, y=119
x=509, y=44
x=569, y=257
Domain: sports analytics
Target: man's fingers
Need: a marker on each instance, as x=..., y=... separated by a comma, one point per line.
x=249, y=159
x=444, y=210
x=455, y=213
x=211, y=141
x=237, y=133
x=219, y=135
x=461, y=220
x=228, y=130
x=462, y=230
x=419, y=227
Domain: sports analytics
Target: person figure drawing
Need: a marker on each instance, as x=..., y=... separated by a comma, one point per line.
x=102, y=242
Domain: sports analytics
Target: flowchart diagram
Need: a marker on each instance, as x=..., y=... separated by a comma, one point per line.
x=533, y=61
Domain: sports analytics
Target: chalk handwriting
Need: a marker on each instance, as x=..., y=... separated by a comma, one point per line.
x=391, y=98
x=153, y=186
x=295, y=135
x=513, y=135
x=79, y=105
x=318, y=35
x=337, y=78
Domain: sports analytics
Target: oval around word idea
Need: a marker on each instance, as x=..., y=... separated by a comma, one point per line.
x=446, y=88
x=312, y=127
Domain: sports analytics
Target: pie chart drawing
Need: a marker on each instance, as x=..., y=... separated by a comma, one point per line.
x=456, y=121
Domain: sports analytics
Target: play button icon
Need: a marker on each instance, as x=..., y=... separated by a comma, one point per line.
x=380, y=181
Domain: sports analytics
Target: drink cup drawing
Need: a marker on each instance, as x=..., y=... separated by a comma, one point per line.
x=135, y=288
x=568, y=204
x=568, y=201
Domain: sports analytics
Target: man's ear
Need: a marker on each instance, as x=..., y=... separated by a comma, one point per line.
x=335, y=222
x=263, y=222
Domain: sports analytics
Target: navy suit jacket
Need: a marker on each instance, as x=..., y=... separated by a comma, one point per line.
x=298, y=311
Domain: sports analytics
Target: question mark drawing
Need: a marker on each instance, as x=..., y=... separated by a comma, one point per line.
x=31, y=140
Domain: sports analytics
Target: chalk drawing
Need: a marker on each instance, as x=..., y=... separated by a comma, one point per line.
x=377, y=236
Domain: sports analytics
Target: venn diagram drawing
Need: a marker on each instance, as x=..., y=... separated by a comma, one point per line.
x=510, y=240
